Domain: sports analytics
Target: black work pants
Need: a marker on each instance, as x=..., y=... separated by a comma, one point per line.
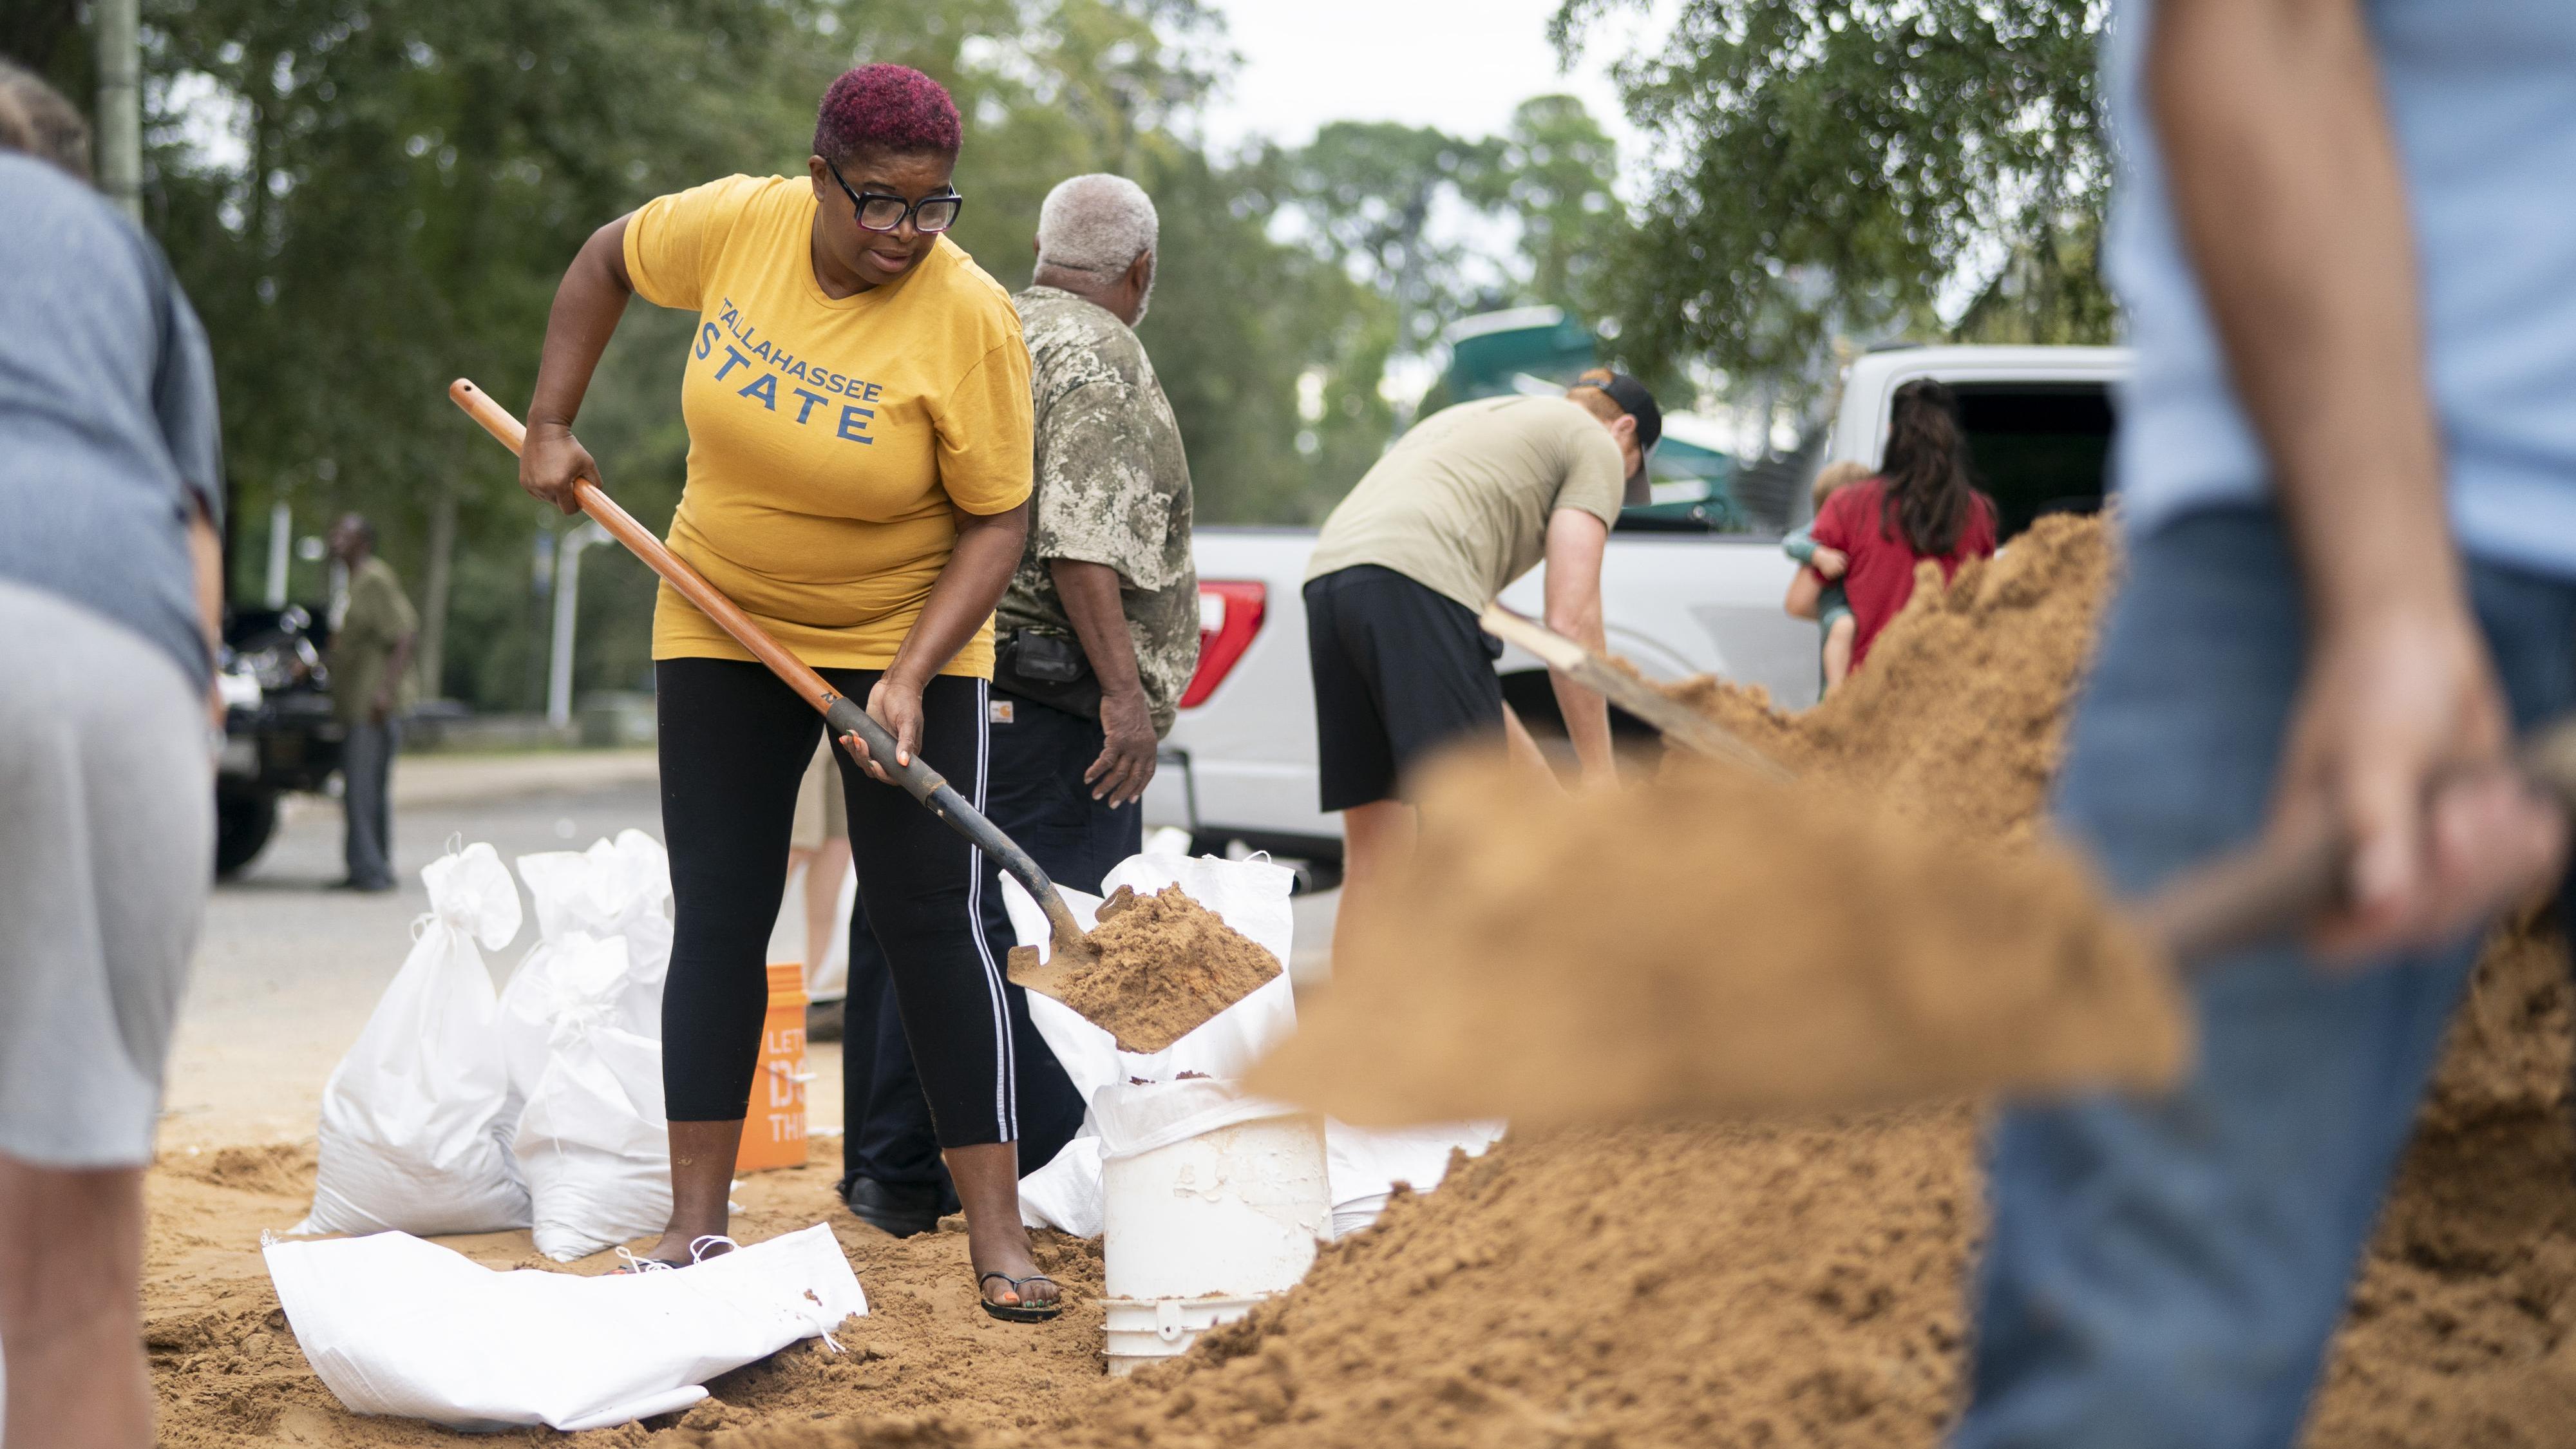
x=1037, y=797
x=734, y=744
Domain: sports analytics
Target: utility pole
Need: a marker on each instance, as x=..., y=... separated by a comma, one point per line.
x=120, y=103
x=567, y=608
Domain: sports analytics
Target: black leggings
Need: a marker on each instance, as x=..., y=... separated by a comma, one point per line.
x=734, y=743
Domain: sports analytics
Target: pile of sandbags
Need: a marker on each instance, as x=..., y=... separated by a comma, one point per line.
x=459, y=1110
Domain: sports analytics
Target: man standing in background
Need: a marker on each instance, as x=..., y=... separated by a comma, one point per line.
x=1097, y=638
x=370, y=687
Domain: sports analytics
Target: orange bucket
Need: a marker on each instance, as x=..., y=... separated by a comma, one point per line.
x=773, y=1132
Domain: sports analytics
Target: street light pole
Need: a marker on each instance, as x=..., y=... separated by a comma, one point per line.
x=567, y=603
x=120, y=103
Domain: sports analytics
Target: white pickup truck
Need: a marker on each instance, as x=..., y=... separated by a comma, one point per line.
x=1679, y=598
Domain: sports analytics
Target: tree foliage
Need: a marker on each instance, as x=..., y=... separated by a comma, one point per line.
x=1830, y=166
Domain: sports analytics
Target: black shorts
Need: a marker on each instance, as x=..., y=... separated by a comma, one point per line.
x=1399, y=671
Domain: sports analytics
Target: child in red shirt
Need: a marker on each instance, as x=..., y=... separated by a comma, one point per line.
x=1920, y=506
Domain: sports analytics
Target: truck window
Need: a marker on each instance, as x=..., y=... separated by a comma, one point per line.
x=2038, y=448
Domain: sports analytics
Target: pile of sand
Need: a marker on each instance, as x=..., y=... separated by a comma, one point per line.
x=1956, y=720
x=1165, y=966
x=1779, y=1285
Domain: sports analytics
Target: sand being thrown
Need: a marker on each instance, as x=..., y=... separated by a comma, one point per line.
x=1776, y=1285
x=1165, y=966
x=1745, y=947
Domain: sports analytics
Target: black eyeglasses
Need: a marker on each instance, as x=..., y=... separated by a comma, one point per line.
x=881, y=211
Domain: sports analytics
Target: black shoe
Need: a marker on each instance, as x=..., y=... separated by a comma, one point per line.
x=363, y=887
x=899, y=1209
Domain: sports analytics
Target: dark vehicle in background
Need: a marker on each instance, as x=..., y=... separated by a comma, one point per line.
x=278, y=731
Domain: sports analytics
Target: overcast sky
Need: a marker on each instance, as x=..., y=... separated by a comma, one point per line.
x=1460, y=65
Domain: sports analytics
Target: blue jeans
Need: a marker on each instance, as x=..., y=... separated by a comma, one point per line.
x=2168, y=1272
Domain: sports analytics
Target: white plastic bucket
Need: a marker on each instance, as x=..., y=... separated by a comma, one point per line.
x=1209, y=1226
x=1149, y=1330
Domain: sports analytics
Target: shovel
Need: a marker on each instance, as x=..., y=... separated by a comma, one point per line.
x=845, y=716
x=1597, y=673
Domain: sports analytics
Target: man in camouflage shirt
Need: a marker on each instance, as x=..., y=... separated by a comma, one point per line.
x=1097, y=637
x=1107, y=569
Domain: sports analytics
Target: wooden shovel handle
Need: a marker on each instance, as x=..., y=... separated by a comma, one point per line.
x=2243, y=899
x=1595, y=672
x=844, y=716
x=2273, y=886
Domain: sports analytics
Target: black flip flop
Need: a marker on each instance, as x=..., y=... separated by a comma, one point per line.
x=1022, y=1311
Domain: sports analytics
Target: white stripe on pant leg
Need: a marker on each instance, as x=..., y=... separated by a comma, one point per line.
x=1005, y=1098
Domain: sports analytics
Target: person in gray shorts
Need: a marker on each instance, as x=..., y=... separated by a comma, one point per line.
x=110, y=485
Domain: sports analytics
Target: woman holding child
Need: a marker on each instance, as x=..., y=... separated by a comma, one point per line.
x=1870, y=534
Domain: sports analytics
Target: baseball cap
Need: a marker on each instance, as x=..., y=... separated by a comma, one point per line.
x=1633, y=399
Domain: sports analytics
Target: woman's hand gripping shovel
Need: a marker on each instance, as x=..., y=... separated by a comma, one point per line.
x=845, y=716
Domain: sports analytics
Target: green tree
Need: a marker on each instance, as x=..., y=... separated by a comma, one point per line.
x=412, y=179
x=1554, y=172
x=1834, y=165
x=395, y=189
x=1370, y=192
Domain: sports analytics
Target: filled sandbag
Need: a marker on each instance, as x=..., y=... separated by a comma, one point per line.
x=411, y=1118
x=592, y=1143
x=616, y=890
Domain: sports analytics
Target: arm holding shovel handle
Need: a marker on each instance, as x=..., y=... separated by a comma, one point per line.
x=844, y=716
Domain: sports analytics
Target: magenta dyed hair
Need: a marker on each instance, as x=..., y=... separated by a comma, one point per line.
x=886, y=108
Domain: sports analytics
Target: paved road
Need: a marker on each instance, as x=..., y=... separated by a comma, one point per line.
x=288, y=969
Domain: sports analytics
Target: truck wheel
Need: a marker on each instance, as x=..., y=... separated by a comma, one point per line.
x=244, y=819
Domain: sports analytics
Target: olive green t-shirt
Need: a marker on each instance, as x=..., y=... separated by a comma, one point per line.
x=1460, y=504
x=379, y=618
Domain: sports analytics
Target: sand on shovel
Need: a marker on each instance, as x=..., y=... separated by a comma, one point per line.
x=1165, y=966
x=1712, y=944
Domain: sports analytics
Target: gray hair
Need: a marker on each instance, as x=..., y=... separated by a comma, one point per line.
x=35, y=119
x=1097, y=223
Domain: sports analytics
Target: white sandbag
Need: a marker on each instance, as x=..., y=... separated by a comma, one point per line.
x=1366, y=1164
x=619, y=888
x=1141, y=1102
x=1147, y=1100
x=410, y=1118
x=1065, y=1194
x=560, y=975
x=393, y=1325
x=1249, y=895
x=592, y=1143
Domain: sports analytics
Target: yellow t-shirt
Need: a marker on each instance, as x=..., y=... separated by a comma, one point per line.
x=827, y=438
